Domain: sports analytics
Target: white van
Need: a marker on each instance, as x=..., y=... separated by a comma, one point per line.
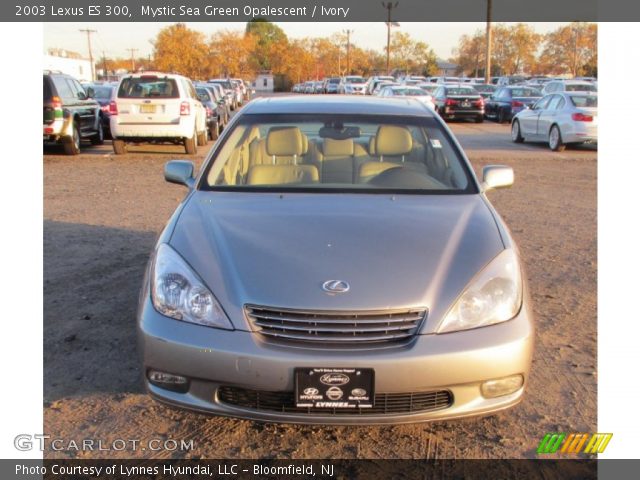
x=155, y=107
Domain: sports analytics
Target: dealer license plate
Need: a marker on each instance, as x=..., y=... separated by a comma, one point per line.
x=334, y=387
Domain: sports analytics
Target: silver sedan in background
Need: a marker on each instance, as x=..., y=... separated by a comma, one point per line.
x=560, y=119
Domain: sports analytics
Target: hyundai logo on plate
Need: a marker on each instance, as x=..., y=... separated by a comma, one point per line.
x=335, y=286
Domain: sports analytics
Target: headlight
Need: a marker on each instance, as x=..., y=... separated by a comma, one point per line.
x=178, y=292
x=493, y=296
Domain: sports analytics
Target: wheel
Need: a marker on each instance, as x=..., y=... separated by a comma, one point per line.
x=98, y=138
x=119, y=147
x=201, y=138
x=479, y=119
x=214, y=131
x=72, y=144
x=191, y=145
x=555, y=139
x=502, y=116
x=516, y=136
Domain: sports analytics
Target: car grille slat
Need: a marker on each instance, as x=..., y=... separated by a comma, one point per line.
x=384, y=403
x=335, y=327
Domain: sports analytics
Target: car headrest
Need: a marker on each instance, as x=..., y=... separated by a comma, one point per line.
x=331, y=147
x=305, y=144
x=282, y=174
x=393, y=140
x=284, y=141
x=372, y=146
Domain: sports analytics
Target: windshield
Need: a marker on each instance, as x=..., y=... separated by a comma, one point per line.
x=461, y=91
x=102, y=93
x=582, y=101
x=525, y=92
x=580, y=87
x=354, y=80
x=338, y=152
x=412, y=92
x=484, y=88
x=225, y=83
x=148, y=87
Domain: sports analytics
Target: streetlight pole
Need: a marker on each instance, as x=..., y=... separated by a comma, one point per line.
x=389, y=6
x=348, y=33
x=487, y=68
x=133, y=60
x=89, y=32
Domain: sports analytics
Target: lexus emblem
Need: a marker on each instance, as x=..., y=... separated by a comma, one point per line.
x=335, y=286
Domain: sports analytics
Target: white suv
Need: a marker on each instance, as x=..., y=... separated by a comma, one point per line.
x=157, y=107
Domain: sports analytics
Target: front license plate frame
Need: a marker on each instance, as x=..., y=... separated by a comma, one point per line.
x=340, y=388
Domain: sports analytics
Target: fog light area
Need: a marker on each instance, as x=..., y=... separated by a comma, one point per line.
x=168, y=381
x=502, y=386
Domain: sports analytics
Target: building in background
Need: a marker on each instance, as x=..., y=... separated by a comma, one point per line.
x=264, y=82
x=446, y=69
x=71, y=63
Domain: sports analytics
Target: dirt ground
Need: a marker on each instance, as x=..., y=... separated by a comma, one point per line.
x=101, y=217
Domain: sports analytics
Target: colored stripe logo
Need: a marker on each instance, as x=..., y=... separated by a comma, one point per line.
x=574, y=443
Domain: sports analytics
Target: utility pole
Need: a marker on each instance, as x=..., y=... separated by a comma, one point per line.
x=348, y=34
x=389, y=6
x=487, y=68
x=89, y=32
x=133, y=60
x=104, y=66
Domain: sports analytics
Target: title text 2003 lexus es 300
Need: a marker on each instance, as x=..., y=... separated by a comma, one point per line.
x=336, y=261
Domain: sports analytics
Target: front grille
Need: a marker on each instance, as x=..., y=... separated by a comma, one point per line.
x=336, y=327
x=384, y=403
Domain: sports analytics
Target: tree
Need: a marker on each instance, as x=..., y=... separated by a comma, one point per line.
x=411, y=56
x=266, y=34
x=179, y=49
x=230, y=54
x=571, y=49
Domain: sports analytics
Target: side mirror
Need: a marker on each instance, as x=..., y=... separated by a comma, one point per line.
x=90, y=92
x=82, y=96
x=496, y=176
x=180, y=172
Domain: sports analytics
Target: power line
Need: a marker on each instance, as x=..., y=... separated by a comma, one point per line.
x=348, y=33
x=89, y=32
x=389, y=6
x=133, y=60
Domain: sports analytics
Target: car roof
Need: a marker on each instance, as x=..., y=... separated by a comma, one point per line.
x=321, y=104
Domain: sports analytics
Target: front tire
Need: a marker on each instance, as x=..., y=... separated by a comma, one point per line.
x=502, y=116
x=516, y=134
x=479, y=119
x=98, y=138
x=202, y=138
x=214, y=131
x=555, y=140
x=72, y=144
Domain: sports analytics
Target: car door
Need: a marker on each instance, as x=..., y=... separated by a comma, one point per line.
x=547, y=115
x=529, y=118
x=87, y=108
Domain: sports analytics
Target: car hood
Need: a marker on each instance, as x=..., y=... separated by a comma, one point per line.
x=278, y=249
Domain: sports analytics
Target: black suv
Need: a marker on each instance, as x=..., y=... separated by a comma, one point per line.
x=70, y=113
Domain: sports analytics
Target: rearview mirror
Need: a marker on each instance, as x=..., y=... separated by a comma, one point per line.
x=90, y=92
x=180, y=172
x=496, y=176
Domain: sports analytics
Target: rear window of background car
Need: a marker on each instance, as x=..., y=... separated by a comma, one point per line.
x=148, y=87
x=584, y=101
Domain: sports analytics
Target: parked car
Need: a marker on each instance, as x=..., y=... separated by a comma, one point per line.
x=508, y=101
x=558, y=86
x=229, y=91
x=352, y=85
x=103, y=94
x=560, y=119
x=238, y=88
x=383, y=83
x=70, y=114
x=484, y=89
x=372, y=82
x=215, y=117
x=407, y=91
x=291, y=289
x=459, y=102
x=510, y=80
x=221, y=100
x=428, y=87
x=318, y=87
x=331, y=85
x=155, y=107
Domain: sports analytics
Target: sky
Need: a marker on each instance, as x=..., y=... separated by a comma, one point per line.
x=111, y=39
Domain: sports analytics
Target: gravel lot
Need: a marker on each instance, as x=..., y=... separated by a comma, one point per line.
x=102, y=214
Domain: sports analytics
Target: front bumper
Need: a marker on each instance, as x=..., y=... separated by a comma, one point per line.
x=458, y=362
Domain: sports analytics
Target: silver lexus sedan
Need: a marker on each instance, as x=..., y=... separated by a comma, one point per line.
x=336, y=261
